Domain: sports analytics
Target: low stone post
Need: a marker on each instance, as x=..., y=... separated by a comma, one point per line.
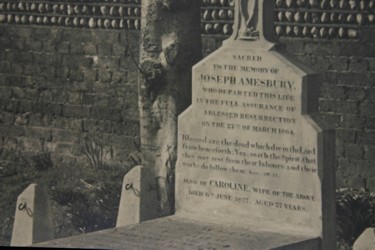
x=366, y=241
x=138, y=197
x=33, y=220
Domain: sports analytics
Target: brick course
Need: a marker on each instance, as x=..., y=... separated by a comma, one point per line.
x=346, y=101
x=60, y=85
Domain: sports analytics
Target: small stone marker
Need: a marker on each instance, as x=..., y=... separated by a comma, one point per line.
x=33, y=221
x=366, y=241
x=138, y=197
x=251, y=150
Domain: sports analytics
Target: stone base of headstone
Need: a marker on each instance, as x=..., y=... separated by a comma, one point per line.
x=138, y=197
x=33, y=222
x=175, y=232
x=366, y=241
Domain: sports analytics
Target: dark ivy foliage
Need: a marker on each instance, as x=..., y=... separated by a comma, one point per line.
x=91, y=196
x=355, y=211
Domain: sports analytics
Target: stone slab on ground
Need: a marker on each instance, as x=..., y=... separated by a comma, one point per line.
x=175, y=232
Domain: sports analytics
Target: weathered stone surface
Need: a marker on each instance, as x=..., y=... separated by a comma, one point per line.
x=138, y=197
x=248, y=150
x=180, y=233
x=33, y=222
x=251, y=149
x=366, y=241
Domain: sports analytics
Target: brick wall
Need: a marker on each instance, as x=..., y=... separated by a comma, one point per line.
x=63, y=87
x=347, y=101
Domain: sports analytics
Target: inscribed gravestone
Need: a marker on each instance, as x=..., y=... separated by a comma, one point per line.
x=251, y=150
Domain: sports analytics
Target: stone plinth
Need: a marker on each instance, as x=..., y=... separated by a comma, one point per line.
x=181, y=233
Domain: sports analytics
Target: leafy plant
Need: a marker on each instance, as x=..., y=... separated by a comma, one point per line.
x=93, y=150
x=355, y=212
x=91, y=197
x=83, y=199
x=42, y=161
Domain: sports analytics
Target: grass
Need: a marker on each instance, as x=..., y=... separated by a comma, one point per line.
x=355, y=210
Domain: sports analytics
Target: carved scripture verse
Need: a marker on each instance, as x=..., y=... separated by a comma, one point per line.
x=244, y=145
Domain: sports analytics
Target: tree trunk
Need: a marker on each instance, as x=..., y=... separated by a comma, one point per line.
x=170, y=46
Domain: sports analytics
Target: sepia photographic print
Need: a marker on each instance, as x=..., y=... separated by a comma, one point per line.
x=187, y=124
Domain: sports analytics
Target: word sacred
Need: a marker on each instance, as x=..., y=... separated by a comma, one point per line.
x=249, y=58
x=255, y=82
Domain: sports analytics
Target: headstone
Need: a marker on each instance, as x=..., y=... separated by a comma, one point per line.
x=255, y=166
x=33, y=221
x=251, y=150
x=366, y=241
x=138, y=197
